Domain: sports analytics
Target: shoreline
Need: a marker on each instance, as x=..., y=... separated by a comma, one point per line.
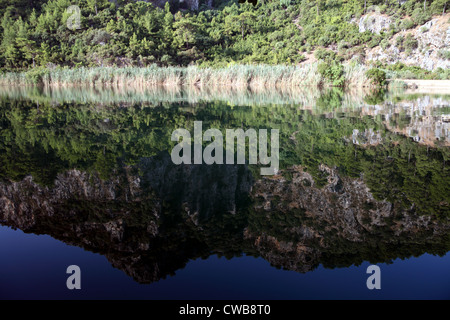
x=426, y=86
x=234, y=76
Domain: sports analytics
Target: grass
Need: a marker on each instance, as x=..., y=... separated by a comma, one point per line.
x=235, y=75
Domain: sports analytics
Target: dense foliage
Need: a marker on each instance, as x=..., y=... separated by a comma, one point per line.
x=377, y=76
x=36, y=33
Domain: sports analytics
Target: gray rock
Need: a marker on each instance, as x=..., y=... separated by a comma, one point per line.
x=374, y=23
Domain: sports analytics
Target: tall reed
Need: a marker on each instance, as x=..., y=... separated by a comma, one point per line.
x=236, y=75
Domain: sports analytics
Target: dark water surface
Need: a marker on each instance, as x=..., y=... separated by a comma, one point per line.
x=86, y=179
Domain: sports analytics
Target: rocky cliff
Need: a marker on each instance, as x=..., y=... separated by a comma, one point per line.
x=427, y=42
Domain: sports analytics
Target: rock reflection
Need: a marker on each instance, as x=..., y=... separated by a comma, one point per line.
x=151, y=219
x=354, y=183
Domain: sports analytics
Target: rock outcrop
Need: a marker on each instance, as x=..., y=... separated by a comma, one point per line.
x=432, y=37
x=374, y=23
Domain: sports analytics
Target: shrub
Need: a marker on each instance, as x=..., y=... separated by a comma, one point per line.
x=325, y=55
x=399, y=43
x=410, y=43
x=420, y=16
x=324, y=41
x=444, y=54
x=36, y=75
x=406, y=24
x=165, y=59
x=374, y=41
x=376, y=76
x=343, y=45
x=384, y=44
x=308, y=47
x=333, y=72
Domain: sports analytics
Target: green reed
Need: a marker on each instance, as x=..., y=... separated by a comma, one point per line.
x=235, y=75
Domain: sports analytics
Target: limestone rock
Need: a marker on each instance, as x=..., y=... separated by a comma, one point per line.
x=374, y=23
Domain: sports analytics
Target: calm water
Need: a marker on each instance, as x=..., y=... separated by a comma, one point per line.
x=86, y=179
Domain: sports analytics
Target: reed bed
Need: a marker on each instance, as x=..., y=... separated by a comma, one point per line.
x=355, y=75
x=237, y=75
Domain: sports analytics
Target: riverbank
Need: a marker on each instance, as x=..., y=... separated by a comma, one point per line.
x=427, y=86
x=235, y=75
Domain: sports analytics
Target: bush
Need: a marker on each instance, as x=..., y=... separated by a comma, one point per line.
x=325, y=55
x=166, y=59
x=406, y=24
x=36, y=75
x=376, y=76
x=333, y=73
x=308, y=47
x=420, y=17
x=401, y=71
x=444, y=54
x=384, y=44
x=343, y=45
x=324, y=41
x=374, y=41
x=399, y=42
x=410, y=43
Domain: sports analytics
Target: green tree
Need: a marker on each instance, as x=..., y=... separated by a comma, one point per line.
x=185, y=31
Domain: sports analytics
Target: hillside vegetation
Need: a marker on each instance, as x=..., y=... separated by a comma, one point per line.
x=137, y=33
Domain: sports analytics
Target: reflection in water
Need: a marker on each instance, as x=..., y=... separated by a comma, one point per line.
x=356, y=184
